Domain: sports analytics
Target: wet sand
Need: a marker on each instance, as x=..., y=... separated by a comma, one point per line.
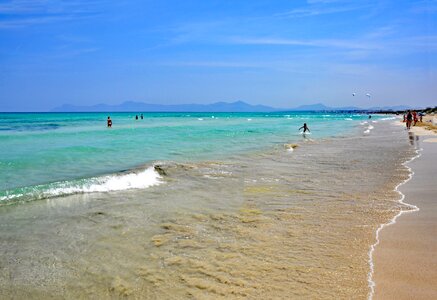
x=405, y=259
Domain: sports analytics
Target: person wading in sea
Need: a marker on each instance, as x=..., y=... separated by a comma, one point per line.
x=305, y=128
x=409, y=119
x=109, y=122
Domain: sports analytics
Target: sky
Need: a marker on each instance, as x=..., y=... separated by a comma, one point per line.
x=277, y=53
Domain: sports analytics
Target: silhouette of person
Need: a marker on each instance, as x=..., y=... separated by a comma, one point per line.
x=409, y=119
x=305, y=128
x=109, y=122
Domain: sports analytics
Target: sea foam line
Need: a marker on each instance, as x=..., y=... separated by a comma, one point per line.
x=414, y=208
x=141, y=179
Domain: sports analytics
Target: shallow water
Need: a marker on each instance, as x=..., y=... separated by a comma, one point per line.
x=266, y=223
x=39, y=149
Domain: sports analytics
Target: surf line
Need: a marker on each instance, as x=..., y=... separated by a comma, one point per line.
x=414, y=208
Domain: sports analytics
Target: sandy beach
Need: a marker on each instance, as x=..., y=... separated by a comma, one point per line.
x=405, y=260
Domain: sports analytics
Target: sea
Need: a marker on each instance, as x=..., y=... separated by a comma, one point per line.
x=195, y=205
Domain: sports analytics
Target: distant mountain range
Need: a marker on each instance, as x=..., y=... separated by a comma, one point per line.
x=130, y=106
x=238, y=106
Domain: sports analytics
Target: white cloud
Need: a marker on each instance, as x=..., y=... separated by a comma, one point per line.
x=213, y=64
x=22, y=7
x=316, y=11
x=324, y=43
x=25, y=22
x=25, y=13
x=425, y=7
x=324, y=1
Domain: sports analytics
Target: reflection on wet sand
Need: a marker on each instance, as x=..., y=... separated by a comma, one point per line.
x=414, y=139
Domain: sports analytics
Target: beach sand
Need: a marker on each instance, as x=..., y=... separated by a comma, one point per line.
x=405, y=259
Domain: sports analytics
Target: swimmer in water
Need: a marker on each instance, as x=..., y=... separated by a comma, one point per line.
x=305, y=128
x=109, y=122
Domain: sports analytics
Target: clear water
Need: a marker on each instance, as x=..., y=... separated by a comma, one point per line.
x=238, y=209
x=70, y=152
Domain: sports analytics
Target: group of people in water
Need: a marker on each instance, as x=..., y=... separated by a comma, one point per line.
x=411, y=118
x=109, y=121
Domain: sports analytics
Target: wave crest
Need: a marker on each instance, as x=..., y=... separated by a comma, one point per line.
x=115, y=182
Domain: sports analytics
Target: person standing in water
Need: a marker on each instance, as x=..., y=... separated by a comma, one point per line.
x=136, y=117
x=305, y=128
x=109, y=122
x=409, y=119
x=141, y=116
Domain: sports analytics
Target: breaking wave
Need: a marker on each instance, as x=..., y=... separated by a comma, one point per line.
x=136, y=179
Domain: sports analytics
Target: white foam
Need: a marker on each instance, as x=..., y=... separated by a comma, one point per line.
x=200, y=119
x=10, y=197
x=414, y=208
x=367, y=131
x=141, y=180
x=249, y=119
x=389, y=118
x=115, y=182
x=348, y=119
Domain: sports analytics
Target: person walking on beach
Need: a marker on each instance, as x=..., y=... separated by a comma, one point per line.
x=305, y=128
x=109, y=122
x=409, y=119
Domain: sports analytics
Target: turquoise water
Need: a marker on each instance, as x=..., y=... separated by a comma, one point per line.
x=73, y=152
x=173, y=207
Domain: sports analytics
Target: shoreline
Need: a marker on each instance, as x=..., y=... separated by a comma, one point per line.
x=405, y=251
x=392, y=221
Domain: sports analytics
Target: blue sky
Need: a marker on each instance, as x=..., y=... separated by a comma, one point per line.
x=277, y=53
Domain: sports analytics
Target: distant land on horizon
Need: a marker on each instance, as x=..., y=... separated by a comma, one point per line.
x=238, y=106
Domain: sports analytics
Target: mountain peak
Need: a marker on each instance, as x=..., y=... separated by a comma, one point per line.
x=313, y=107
